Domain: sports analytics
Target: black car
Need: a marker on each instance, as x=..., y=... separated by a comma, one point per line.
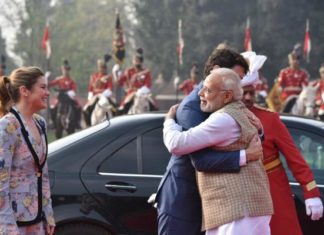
x=102, y=177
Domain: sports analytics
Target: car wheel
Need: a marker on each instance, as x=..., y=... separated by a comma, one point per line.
x=81, y=229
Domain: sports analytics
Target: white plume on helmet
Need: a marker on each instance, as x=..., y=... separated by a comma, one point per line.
x=255, y=63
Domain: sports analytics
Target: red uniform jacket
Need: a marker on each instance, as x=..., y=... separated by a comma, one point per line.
x=63, y=83
x=277, y=139
x=99, y=82
x=291, y=81
x=133, y=79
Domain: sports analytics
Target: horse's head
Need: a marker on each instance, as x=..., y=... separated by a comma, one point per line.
x=307, y=98
x=141, y=102
x=105, y=106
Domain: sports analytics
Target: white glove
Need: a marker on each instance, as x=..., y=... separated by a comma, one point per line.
x=314, y=207
x=71, y=94
x=151, y=200
x=107, y=93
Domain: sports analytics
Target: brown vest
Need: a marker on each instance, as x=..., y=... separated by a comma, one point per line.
x=227, y=197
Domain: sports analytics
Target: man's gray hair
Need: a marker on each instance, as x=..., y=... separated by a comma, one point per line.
x=231, y=81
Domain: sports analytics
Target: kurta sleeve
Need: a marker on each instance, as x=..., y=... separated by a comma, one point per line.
x=219, y=129
x=295, y=160
x=7, y=148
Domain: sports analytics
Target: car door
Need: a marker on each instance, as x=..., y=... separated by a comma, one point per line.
x=310, y=142
x=123, y=175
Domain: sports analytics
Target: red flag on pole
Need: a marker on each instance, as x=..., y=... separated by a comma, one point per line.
x=180, y=45
x=248, y=36
x=307, y=42
x=46, y=41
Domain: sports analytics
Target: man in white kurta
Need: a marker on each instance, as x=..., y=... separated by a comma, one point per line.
x=220, y=129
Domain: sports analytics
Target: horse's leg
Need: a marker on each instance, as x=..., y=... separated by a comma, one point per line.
x=58, y=127
x=72, y=119
x=53, y=114
x=94, y=115
x=128, y=106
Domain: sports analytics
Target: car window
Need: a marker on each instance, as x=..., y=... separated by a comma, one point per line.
x=124, y=160
x=155, y=154
x=311, y=147
x=145, y=154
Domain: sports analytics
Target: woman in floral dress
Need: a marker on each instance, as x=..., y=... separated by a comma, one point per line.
x=25, y=200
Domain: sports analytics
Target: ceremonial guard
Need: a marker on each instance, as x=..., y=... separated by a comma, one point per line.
x=134, y=78
x=189, y=84
x=284, y=220
x=65, y=83
x=100, y=81
x=292, y=78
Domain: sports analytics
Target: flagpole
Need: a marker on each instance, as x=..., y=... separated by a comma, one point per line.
x=118, y=55
x=177, y=78
x=179, y=60
x=307, y=42
x=46, y=46
x=248, y=36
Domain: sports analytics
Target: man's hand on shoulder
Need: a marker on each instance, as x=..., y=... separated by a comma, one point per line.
x=172, y=112
x=254, y=120
x=254, y=150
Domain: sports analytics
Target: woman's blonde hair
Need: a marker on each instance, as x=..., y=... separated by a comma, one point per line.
x=9, y=86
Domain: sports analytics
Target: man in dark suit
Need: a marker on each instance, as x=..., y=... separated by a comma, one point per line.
x=178, y=200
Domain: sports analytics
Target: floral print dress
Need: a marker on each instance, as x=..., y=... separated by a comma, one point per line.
x=18, y=180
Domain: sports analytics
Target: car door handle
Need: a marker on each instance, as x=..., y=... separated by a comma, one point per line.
x=114, y=186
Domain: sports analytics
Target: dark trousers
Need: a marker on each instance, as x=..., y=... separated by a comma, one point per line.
x=169, y=225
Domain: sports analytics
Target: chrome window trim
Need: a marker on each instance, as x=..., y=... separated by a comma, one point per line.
x=131, y=175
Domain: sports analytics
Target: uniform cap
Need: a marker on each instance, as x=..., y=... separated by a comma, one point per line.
x=66, y=64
